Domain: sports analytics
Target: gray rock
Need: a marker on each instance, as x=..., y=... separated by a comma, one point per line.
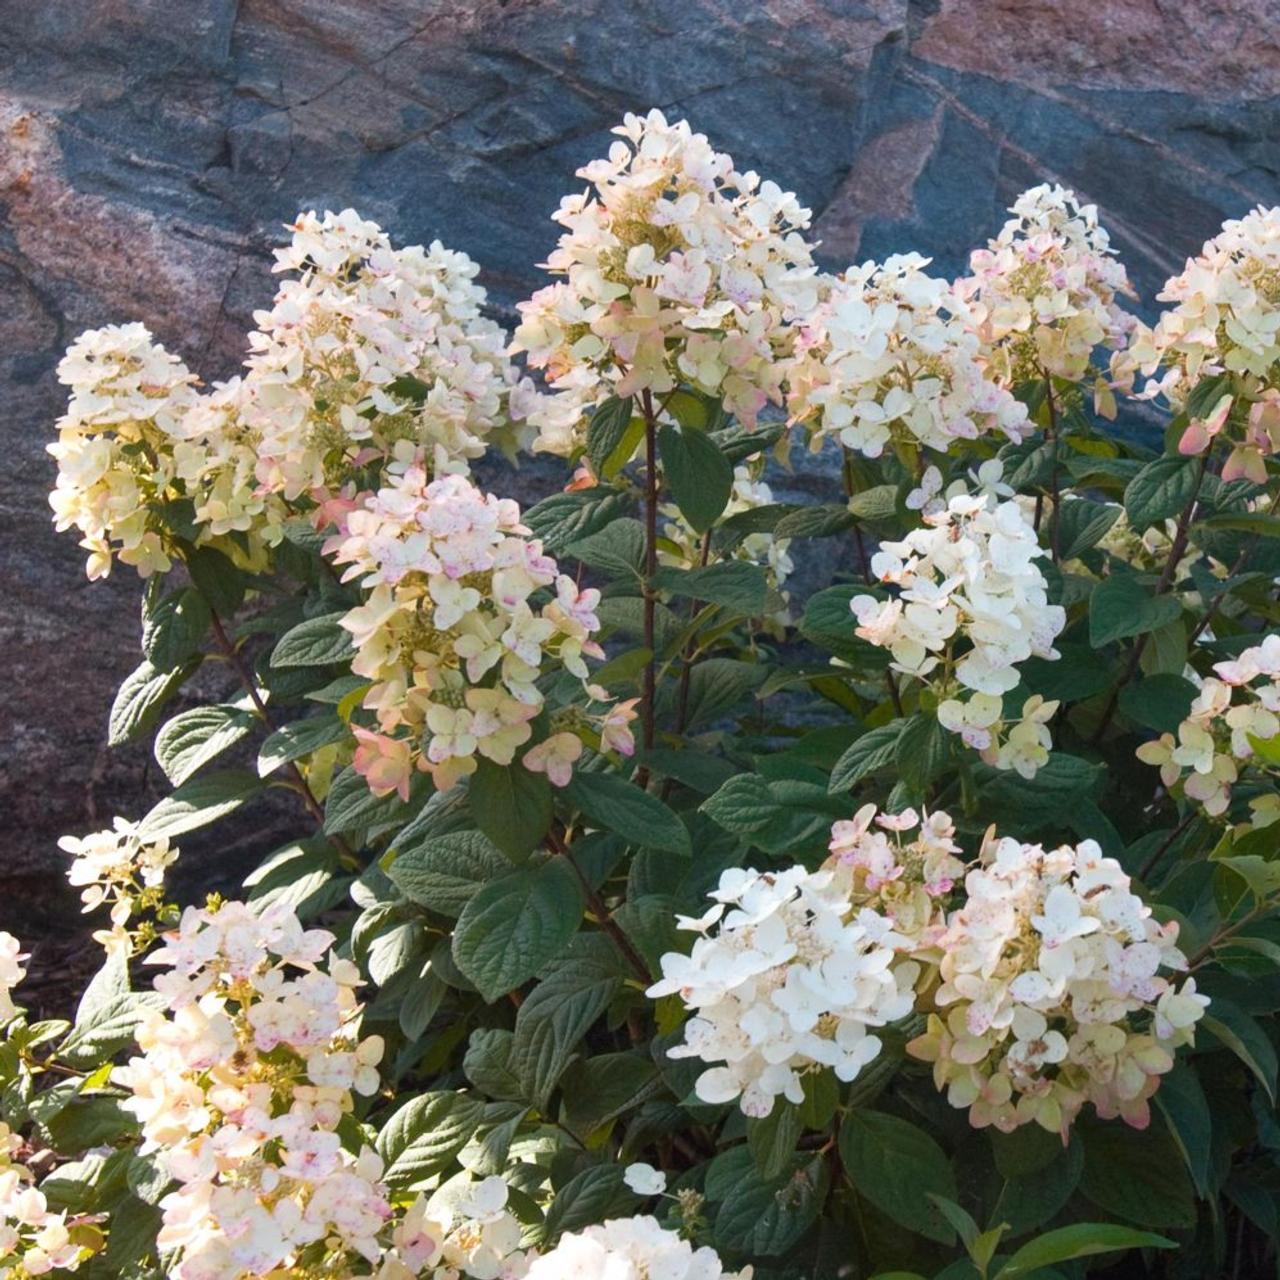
x=149, y=153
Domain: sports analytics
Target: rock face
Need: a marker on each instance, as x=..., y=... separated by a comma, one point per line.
x=149, y=153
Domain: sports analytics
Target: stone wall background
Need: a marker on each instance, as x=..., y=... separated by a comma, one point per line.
x=151, y=150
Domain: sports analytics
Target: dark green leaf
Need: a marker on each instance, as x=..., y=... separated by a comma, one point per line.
x=736, y=585
x=767, y=1217
x=698, y=475
x=876, y=749
x=199, y=802
x=1121, y=606
x=613, y=803
x=1080, y=1240
x=192, y=738
x=1160, y=490
x=174, y=627
x=511, y=805
x=587, y=1198
x=1138, y=1175
x=423, y=1136
x=140, y=700
x=318, y=642
x=443, y=873
x=617, y=549
x=1159, y=702
x=515, y=925
x=610, y=425
x=293, y=741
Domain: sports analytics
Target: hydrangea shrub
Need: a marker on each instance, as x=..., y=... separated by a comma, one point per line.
x=646, y=917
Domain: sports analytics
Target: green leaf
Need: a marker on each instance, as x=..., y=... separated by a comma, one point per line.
x=217, y=579
x=717, y=685
x=588, y=1197
x=697, y=770
x=1255, y=522
x=615, y=804
x=174, y=627
x=1080, y=1240
x=698, y=475
x=1160, y=490
x=1138, y=1175
x=1082, y=524
x=598, y=1089
x=423, y=1136
x=293, y=741
x=515, y=925
x=141, y=698
x=1121, y=606
x=815, y=522
x=1050, y=797
x=876, y=749
x=879, y=503
x=1246, y=1039
x=107, y=1029
x=895, y=1165
x=511, y=805
x=773, y=1139
x=768, y=1216
x=445, y=872
x=1181, y=1099
x=608, y=430
x=921, y=750
x=777, y=815
x=564, y=518
x=351, y=806
x=617, y=550
x=1040, y=1176
x=318, y=642
x=736, y=585
x=199, y=802
x=1159, y=702
x=560, y=1010
x=192, y=738
x=487, y=1064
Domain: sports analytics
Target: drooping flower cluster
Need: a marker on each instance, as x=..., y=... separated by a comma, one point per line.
x=789, y=982
x=33, y=1239
x=1052, y=994
x=1043, y=293
x=628, y=1249
x=1231, y=716
x=970, y=574
x=115, y=445
x=450, y=633
x=116, y=868
x=905, y=877
x=368, y=348
x=464, y=1228
x=240, y=1089
x=1225, y=318
x=889, y=355
x=749, y=494
x=677, y=269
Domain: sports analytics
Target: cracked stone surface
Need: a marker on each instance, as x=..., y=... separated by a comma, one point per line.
x=149, y=153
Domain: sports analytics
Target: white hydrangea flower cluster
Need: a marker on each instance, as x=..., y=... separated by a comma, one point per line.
x=116, y=868
x=629, y=1249
x=904, y=865
x=678, y=269
x=12, y=971
x=683, y=546
x=889, y=355
x=1043, y=293
x=34, y=1241
x=789, y=983
x=464, y=1228
x=1225, y=318
x=970, y=574
x=449, y=636
x=1232, y=712
x=115, y=444
x=368, y=348
x=1051, y=992
x=240, y=1088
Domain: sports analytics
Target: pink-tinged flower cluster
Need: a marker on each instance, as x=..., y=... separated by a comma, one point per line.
x=677, y=269
x=368, y=349
x=34, y=1240
x=1225, y=320
x=972, y=604
x=1052, y=993
x=630, y=1249
x=786, y=977
x=465, y=1228
x=452, y=635
x=1044, y=293
x=117, y=869
x=1233, y=724
x=115, y=446
x=889, y=355
x=904, y=865
x=240, y=1088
